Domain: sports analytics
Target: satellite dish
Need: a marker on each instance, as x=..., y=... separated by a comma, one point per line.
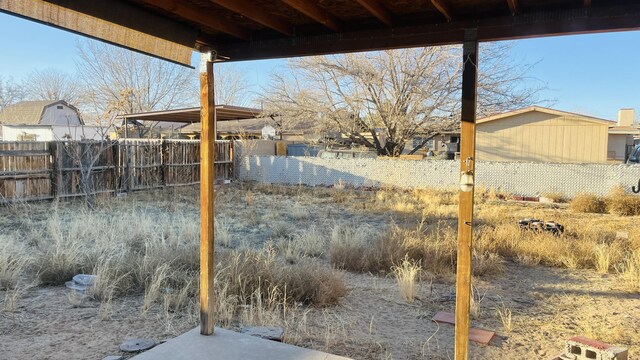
x=268, y=132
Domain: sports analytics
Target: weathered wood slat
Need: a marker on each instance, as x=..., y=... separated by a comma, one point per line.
x=24, y=153
x=44, y=170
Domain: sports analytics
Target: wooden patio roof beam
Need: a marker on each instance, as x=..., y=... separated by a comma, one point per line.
x=250, y=11
x=202, y=18
x=377, y=10
x=529, y=25
x=443, y=8
x=514, y=7
x=313, y=11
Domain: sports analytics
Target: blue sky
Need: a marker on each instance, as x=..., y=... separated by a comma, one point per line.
x=592, y=74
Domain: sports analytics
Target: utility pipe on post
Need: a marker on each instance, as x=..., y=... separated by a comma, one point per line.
x=467, y=175
x=207, y=196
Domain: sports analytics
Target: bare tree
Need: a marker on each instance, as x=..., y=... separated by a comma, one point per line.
x=383, y=99
x=137, y=82
x=92, y=156
x=10, y=92
x=52, y=84
x=232, y=85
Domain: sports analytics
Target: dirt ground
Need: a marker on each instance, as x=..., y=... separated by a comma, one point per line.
x=548, y=304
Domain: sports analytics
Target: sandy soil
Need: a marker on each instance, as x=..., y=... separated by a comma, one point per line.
x=373, y=322
x=548, y=306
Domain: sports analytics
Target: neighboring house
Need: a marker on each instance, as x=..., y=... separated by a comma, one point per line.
x=540, y=134
x=257, y=128
x=44, y=121
x=621, y=136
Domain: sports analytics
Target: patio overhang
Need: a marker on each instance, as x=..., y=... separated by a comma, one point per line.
x=192, y=115
x=247, y=30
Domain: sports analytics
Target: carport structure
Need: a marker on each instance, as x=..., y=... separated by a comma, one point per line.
x=236, y=30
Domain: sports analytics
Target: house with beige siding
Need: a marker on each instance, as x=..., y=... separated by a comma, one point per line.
x=538, y=134
x=622, y=136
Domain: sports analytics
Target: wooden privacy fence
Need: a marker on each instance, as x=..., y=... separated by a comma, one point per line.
x=61, y=169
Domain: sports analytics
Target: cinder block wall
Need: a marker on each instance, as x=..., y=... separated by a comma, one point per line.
x=527, y=179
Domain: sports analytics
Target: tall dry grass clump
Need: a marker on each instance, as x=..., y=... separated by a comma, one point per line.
x=630, y=271
x=588, y=203
x=364, y=249
x=248, y=271
x=310, y=242
x=434, y=247
x=407, y=274
x=14, y=260
x=63, y=254
x=621, y=203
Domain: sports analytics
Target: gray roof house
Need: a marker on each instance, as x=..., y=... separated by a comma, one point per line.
x=45, y=121
x=41, y=112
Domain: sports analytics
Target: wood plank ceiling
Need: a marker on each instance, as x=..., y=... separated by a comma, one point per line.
x=259, y=29
x=254, y=29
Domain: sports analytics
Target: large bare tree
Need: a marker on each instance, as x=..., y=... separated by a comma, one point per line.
x=10, y=92
x=133, y=81
x=232, y=85
x=383, y=99
x=52, y=84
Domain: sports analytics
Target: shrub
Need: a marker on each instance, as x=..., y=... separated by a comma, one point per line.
x=621, y=203
x=587, y=203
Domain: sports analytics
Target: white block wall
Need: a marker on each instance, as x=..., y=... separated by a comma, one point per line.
x=528, y=179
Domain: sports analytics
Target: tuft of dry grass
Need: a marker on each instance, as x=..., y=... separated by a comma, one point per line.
x=504, y=314
x=588, y=203
x=629, y=270
x=556, y=197
x=621, y=203
x=249, y=270
x=62, y=258
x=307, y=243
x=406, y=274
x=222, y=231
x=14, y=260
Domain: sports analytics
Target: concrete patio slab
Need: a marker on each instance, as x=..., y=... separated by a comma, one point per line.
x=229, y=345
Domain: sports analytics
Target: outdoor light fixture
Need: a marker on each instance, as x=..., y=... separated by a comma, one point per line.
x=466, y=177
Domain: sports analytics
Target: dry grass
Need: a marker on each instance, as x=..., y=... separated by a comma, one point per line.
x=629, y=269
x=556, y=197
x=621, y=203
x=587, y=203
x=14, y=261
x=504, y=314
x=276, y=260
x=222, y=231
x=406, y=274
x=311, y=242
x=249, y=271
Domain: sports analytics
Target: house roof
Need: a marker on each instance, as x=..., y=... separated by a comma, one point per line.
x=546, y=111
x=28, y=112
x=192, y=115
x=623, y=130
